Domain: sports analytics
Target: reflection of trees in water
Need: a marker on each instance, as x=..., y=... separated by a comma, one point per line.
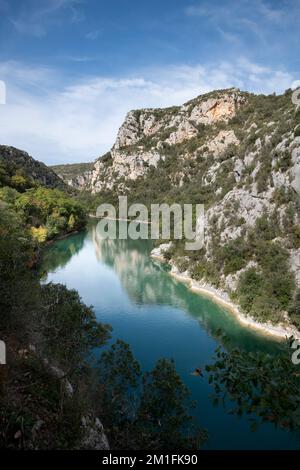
x=230, y=334
x=58, y=254
x=146, y=282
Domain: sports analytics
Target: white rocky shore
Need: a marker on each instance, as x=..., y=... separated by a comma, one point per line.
x=280, y=331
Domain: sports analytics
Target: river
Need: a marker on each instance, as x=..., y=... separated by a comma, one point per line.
x=160, y=317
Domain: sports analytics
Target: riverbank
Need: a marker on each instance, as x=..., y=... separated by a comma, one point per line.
x=279, y=332
x=61, y=237
x=93, y=216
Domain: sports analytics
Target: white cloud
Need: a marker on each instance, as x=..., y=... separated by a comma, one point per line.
x=78, y=121
x=80, y=58
x=235, y=20
x=93, y=35
x=242, y=9
x=36, y=21
x=270, y=13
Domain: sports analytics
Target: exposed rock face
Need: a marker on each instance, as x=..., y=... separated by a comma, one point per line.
x=184, y=131
x=219, y=143
x=215, y=109
x=15, y=159
x=74, y=174
x=159, y=251
x=94, y=437
x=295, y=173
x=145, y=133
x=295, y=264
x=136, y=125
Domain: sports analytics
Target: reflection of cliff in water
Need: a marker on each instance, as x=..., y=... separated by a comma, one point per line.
x=57, y=255
x=146, y=282
x=142, y=279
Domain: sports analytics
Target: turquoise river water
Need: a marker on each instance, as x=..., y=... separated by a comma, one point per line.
x=161, y=317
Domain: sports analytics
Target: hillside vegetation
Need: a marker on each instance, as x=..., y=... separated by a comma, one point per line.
x=20, y=171
x=239, y=154
x=70, y=172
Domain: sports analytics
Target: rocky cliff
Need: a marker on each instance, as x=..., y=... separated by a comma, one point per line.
x=74, y=174
x=147, y=134
x=237, y=153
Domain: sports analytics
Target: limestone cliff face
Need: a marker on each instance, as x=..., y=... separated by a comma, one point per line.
x=144, y=135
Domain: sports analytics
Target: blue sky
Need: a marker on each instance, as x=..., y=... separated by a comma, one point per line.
x=73, y=68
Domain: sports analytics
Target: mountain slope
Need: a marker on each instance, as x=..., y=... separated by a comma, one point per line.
x=148, y=136
x=72, y=173
x=239, y=154
x=19, y=170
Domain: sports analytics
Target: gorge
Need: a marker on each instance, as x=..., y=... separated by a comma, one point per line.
x=239, y=155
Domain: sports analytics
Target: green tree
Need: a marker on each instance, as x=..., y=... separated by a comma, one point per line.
x=69, y=328
x=294, y=309
x=18, y=286
x=144, y=411
x=164, y=418
x=265, y=388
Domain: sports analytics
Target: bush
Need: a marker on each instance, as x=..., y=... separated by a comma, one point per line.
x=250, y=286
x=294, y=309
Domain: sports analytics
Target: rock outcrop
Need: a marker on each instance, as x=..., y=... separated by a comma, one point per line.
x=143, y=137
x=94, y=437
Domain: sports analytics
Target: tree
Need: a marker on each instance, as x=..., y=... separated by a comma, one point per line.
x=18, y=287
x=263, y=387
x=294, y=309
x=144, y=411
x=69, y=328
x=119, y=374
x=163, y=417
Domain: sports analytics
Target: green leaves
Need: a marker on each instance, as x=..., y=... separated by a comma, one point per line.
x=50, y=209
x=264, y=387
x=150, y=410
x=69, y=328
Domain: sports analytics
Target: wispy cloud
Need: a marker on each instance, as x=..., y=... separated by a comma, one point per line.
x=244, y=8
x=93, y=35
x=35, y=18
x=233, y=18
x=271, y=13
x=80, y=58
x=79, y=121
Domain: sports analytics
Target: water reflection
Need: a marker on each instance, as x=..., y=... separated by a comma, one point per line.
x=59, y=253
x=159, y=317
x=143, y=280
x=147, y=282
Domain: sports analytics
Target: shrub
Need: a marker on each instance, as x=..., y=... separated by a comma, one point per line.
x=294, y=309
x=249, y=288
x=39, y=234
